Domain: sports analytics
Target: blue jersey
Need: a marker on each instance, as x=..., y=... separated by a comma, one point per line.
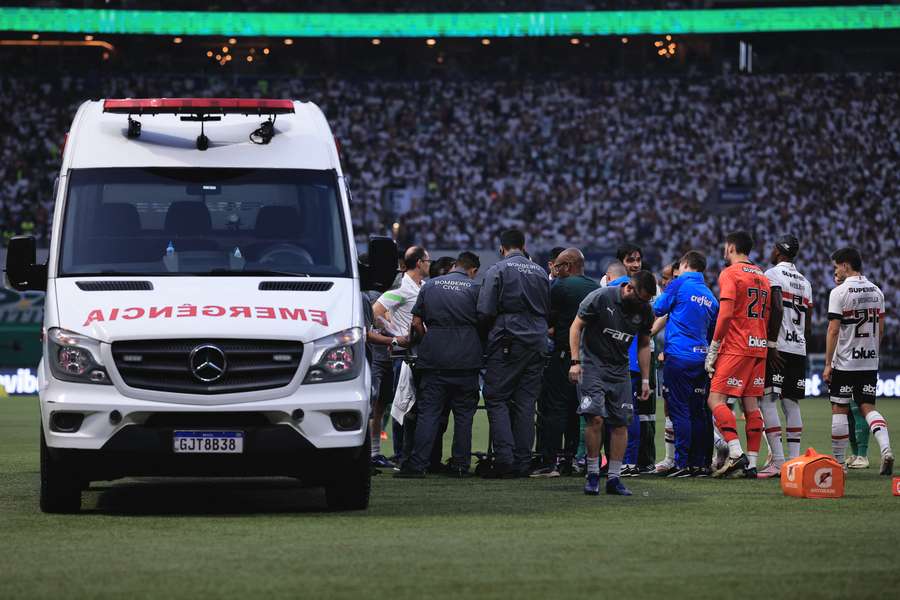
x=692, y=310
x=633, y=363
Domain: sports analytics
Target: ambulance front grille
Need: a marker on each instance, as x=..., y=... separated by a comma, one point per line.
x=192, y=366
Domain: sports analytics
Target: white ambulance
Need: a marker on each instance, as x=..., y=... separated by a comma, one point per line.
x=203, y=313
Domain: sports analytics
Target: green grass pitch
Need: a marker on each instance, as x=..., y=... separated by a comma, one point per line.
x=448, y=538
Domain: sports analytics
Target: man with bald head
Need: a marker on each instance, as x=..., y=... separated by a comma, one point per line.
x=393, y=313
x=560, y=397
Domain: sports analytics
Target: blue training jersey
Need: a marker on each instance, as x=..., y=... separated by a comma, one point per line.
x=692, y=310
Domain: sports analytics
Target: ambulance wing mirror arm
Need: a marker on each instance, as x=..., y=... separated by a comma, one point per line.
x=380, y=271
x=22, y=272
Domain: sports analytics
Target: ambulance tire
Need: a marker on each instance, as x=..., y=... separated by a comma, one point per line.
x=352, y=481
x=60, y=484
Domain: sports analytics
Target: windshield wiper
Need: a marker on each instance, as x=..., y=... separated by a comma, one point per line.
x=252, y=273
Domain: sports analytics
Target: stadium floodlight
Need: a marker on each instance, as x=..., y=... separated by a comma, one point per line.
x=432, y=25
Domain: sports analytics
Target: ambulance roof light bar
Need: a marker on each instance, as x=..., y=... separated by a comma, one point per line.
x=202, y=110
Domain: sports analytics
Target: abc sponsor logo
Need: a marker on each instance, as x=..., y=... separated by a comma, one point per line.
x=777, y=378
x=734, y=382
x=756, y=342
x=759, y=381
x=846, y=389
x=869, y=389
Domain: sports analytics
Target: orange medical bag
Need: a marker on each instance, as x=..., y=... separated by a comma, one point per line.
x=812, y=475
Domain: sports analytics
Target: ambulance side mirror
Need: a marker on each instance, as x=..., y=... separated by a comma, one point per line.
x=381, y=269
x=21, y=271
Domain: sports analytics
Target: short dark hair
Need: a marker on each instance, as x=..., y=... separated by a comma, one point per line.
x=644, y=281
x=441, y=266
x=512, y=239
x=742, y=240
x=555, y=252
x=695, y=260
x=468, y=260
x=628, y=248
x=848, y=255
x=412, y=256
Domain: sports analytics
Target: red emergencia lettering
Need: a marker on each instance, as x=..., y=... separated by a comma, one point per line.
x=99, y=315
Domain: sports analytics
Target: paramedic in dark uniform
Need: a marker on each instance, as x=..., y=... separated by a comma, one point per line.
x=607, y=321
x=445, y=326
x=514, y=305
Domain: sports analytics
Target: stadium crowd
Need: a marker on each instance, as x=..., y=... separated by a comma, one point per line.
x=586, y=162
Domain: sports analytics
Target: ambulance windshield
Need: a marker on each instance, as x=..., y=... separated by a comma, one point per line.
x=187, y=221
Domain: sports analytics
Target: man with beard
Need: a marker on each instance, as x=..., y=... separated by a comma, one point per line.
x=607, y=321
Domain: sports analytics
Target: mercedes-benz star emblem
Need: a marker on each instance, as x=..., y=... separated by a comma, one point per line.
x=207, y=363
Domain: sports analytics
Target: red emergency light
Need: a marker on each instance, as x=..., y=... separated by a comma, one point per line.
x=202, y=110
x=197, y=106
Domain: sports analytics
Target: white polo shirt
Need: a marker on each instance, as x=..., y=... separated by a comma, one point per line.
x=399, y=303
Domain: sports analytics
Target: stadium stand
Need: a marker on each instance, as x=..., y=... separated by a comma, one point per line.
x=570, y=161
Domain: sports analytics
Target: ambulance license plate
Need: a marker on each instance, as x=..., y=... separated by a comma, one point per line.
x=208, y=442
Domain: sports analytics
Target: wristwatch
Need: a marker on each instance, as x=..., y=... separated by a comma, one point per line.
x=574, y=362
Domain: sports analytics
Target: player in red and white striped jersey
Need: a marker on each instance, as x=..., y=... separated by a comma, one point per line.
x=855, y=330
x=786, y=374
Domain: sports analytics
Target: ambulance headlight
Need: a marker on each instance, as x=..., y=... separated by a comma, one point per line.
x=337, y=357
x=75, y=357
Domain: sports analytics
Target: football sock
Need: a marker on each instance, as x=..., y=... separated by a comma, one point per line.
x=376, y=444
x=840, y=434
x=754, y=428
x=670, y=440
x=773, y=429
x=861, y=430
x=718, y=441
x=879, y=430
x=593, y=465
x=615, y=468
x=725, y=421
x=794, y=427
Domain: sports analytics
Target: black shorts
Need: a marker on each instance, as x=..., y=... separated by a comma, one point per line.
x=858, y=385
x=790, y=380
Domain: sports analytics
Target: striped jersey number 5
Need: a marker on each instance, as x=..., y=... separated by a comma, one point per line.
x=799, y=309
x=758, y=302
x=861, y=317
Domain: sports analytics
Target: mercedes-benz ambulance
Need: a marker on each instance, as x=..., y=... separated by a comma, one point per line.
x=203, y=308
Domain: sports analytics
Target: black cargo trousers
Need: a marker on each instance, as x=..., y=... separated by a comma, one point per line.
x=512, y=384
x=438, y=390
x=558, y=407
